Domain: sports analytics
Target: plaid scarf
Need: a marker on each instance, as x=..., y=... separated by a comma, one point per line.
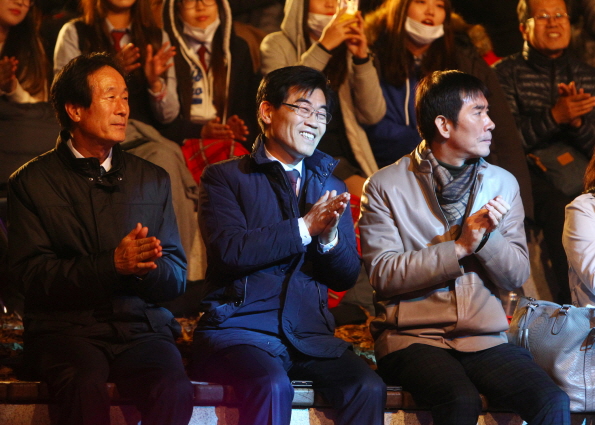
x=453, y=193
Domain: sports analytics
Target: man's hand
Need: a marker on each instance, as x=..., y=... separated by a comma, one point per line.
x=323, y=218
x=484, y=221
x=572, y=104
x=136, y=253
x=8, y=77
x=157, y=64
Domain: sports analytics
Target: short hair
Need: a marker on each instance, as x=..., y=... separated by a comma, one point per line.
x=275, y=86
x=71, y=84
x=442, y=93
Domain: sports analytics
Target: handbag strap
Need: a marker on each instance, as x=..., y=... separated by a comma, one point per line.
x=560, y=319
x=524, y=322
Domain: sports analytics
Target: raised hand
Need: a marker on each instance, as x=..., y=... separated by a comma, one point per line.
x=338, y=30
x=136, y=254
x=486, y=220
x=237, y=125
x=215, y=130
x=128, y=58
x=323, y=218
x=358, y=43
x=572, y=104
x=8, y=77
x=157, y=64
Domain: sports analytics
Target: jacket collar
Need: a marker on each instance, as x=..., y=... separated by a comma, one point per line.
x=532, y=56
x=89, y=167
x=319, y=163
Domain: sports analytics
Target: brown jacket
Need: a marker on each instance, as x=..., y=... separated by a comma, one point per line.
x=424, y=294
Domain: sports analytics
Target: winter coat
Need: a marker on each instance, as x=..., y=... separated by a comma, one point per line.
x=65, y=222
x=424, y=293
x=265, y=287
x=530, y=81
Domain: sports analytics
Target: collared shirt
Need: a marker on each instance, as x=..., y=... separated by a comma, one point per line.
x=304, y=233
x=107, y=164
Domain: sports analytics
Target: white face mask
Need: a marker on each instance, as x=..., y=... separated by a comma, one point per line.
x=204, y=35
x=423, y=34
x=317, y=22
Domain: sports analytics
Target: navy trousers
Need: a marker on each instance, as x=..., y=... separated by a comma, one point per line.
x=263, y=384
x=148, y=369
x=451, y=381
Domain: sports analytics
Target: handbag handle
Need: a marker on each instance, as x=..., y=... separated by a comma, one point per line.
x=524, y=322
x=560, y=319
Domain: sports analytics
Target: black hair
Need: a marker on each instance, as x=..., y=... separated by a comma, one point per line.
x=71, y=84
x=442, y=93
x=275, y=86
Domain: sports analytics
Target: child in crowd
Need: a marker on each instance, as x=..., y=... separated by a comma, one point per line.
x=216, y=82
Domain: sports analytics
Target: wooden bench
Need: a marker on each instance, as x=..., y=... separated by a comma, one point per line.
x=216, y=405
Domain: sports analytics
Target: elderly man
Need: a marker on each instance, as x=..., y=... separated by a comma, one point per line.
x=550, y=94
x=277, y=237
x=93, y=243
x=442, y=231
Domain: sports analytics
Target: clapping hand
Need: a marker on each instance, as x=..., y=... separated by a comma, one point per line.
x=323, y=218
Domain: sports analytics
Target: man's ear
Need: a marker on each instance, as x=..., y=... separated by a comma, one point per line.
x=524, y=31
x=443, y=125
x=265, y=111
x=73, y=111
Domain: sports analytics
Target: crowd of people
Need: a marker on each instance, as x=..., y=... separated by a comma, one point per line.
x=396, y=109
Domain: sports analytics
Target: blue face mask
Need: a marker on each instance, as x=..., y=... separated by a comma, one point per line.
x=423, y=34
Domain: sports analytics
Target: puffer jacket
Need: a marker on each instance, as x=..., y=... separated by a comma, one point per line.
x=65, y=221
x=530, y=81
x=360, y=96
x=265, y=286
x=424, y=293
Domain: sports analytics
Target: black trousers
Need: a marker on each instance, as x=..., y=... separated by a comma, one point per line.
x=451, y=381
x=263, y=384
x=146, y=368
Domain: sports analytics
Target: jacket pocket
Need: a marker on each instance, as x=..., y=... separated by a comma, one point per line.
x=478, y=310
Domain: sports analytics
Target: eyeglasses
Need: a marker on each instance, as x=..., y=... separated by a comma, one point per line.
x=303, y=111
x=543, y=18
x=190, y=4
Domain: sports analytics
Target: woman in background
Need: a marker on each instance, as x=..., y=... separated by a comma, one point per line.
x=23, y=64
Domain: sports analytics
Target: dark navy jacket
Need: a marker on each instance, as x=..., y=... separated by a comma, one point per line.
x=265, y=288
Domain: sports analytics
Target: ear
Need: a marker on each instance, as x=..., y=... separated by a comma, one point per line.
x=443, y=125
x=265, y=110
x=73, y=111
x=524, y=28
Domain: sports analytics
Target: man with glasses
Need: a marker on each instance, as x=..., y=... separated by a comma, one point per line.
x=278, y=234
x=550, y=93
